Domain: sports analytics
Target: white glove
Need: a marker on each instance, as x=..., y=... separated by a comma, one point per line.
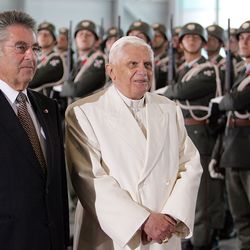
x=216, y=99
x=212, y=172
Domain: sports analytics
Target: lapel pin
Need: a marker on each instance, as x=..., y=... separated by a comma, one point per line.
x=46, y=111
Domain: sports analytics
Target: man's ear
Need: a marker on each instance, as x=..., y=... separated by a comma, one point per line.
x=110, y=71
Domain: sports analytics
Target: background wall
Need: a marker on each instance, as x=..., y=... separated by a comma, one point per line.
x=205, y=12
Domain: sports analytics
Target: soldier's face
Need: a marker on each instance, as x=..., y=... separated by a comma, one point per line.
x=175, y=41
x=234, y=47
x=18, y=57
x=62, y=42
x=244, y=45
x=85, y=40
x=138, y=34
x=133, y=71
x=213, y=44
x=158, y=41
x=191, y=44
x=45, y=39
x=110, y=42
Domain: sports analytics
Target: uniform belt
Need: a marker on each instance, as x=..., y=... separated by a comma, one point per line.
x=238, y=123
x=191, y=121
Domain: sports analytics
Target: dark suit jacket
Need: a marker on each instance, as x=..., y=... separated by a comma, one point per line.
x=33, y=209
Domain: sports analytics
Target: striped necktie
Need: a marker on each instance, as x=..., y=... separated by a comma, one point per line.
x=28, y=125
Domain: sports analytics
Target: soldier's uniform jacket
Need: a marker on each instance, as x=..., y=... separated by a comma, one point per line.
x=193, y=90
x=50, y=72
x=236, y=144
x=179, y=58
x=64, y=55
x=87, y=76
x=238, y=63
x=218, y=60
x=161, y=69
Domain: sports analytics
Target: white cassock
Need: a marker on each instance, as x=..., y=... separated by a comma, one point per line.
x=120, y=175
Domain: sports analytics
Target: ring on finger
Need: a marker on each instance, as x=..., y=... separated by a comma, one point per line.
x=165, y=240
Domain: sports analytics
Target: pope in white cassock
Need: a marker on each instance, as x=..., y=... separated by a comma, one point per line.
x=133, y=167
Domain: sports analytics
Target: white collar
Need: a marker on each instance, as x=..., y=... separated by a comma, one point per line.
x=9, y=92
x=133, y=104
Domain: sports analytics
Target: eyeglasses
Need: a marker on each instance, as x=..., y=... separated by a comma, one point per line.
x=21, y=48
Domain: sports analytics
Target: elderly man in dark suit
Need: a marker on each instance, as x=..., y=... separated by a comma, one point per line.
x=33, y=190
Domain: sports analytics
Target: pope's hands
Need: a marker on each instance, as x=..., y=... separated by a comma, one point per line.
x=158, y=227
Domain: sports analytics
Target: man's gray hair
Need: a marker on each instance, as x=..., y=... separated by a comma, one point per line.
x=115, y=51
x=8, y=18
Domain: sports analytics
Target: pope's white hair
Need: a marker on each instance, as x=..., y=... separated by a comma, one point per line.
x=116, y=49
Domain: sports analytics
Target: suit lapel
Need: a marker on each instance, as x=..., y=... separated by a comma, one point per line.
x=156, y=134
x=11, y=124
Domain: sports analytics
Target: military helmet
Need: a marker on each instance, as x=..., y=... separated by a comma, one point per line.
x=233, y=31
x=244, y=28
x=86, y=25
x=216, y=31
x=47, y=26
x=176, y=30
x=64, y=31
x=142, y=27
x=113, y=31
x=193, y=29
x=161, y=28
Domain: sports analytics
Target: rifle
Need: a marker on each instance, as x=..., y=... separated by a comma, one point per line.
x=119, y=26
x=229, y=72
x=68, y=83
x=101, y=31
x=171, y=57
x=69, y=52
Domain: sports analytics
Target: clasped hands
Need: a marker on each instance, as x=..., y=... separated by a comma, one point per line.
x=158, y=227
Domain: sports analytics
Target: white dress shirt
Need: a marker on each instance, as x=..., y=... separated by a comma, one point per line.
x=11, y=95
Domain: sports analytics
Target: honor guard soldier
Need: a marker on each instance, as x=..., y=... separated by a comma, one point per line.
x=88, y=74
x=238, y=61
x=51, y=70
x=196, y=83
x=179, y=56
x=112, y=34
x=62, y=46
x=234, y=46
x=235, y=152
x=62, y=40
x=160, y=45
x=216, y=40
x=141, y=30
